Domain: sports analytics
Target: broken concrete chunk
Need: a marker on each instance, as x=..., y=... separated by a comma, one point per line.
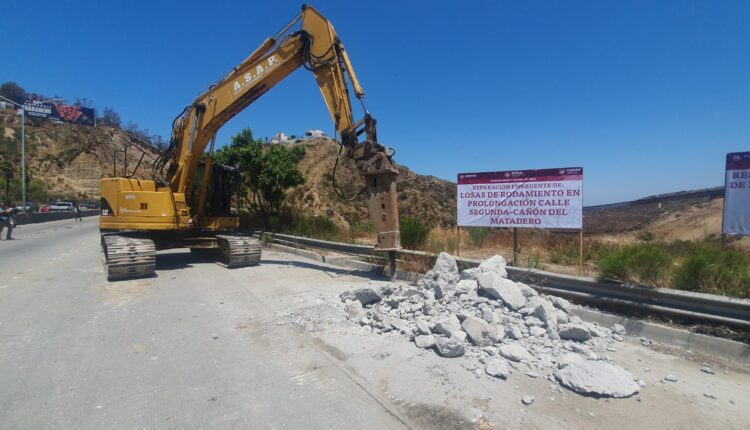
x=533, y=322
x=575, y=332
x=527, y=400
x=366, y=296
x=470, y=273
x=598, y=378
x=567, y=358
x=423, y=326
x=478, y=331
x=467, y=286
x=488, y=314
x=619, y=329
x=399, y=325
x=513, y=332
x=561, y=304
x=425, y=341
x=527, y=291
x=354, y=310
x=497, y=367
x=496, y=334
x=597, y=331
x=537, y=331
x=546, y=313
x=495, y=287
x=445, y=264
x=449, y=347
x=515, y=352
x=460, y=336
x=495, y=264
x=448, y=325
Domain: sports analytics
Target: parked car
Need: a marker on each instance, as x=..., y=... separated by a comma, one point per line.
x=45, y=209
x=30, y=207
x=62, y=207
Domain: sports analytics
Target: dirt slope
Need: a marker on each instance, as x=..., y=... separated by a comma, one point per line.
x=693, y=216
x=70, y=158
x=430, y=199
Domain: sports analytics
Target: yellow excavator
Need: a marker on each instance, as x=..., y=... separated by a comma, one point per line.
x=188, y=202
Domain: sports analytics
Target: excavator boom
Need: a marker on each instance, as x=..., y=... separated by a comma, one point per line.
x=317, y=48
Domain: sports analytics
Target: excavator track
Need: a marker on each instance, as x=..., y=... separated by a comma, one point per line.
x=128, y=257
x=239, y=250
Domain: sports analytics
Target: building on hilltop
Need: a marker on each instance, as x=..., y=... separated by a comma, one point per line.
x=312, y=134
x=280, y=137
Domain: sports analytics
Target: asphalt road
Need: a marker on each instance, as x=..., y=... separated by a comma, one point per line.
x=190, y=348
x=269, y=347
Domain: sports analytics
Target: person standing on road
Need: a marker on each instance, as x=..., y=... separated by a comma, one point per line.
x=78, y=213
x=6, y=220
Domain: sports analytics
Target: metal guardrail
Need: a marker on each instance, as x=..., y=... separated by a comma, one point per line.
x=683, y=304
x=35, y=217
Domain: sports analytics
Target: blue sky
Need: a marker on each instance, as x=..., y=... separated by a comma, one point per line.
x=646, y=96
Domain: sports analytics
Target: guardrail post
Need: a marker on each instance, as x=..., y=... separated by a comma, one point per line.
x=392, y=265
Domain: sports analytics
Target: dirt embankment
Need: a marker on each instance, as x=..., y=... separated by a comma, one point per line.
x=428, y=198
x=691, y=216
x=70, y=158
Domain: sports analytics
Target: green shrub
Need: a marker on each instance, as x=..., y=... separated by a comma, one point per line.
x=643, y=263
x=566, y=255
x=413, y=233
x=681, y=248
x=362, y=226
x=477, y=235
x=710, y=270
x=317, y=227
x=646, y=236
x=534, y=261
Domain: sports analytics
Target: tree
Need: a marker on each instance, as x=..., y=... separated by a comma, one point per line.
x=266, y=172
x=158, y=142
x=11, y=90
x=84, y=102
x=110, y=117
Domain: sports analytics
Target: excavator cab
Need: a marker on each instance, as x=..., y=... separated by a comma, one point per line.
x=225, y=181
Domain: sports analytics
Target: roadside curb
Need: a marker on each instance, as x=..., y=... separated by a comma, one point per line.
x=724, y=348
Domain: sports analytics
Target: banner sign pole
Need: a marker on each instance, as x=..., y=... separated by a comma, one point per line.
x=580, y=252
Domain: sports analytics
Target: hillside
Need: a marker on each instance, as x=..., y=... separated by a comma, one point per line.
x=70, y=158
x=428, y=198
x=688, y=215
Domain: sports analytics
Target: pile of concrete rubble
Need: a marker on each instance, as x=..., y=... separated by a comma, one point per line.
x=502, y=326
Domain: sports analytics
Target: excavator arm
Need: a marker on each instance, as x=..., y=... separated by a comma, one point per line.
x=317, y=48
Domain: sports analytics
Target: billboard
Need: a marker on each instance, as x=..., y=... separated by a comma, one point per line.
x=545, y=198
x=59, y=112
x=737, y=194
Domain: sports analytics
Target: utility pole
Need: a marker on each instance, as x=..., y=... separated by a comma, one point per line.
x=23, y=153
